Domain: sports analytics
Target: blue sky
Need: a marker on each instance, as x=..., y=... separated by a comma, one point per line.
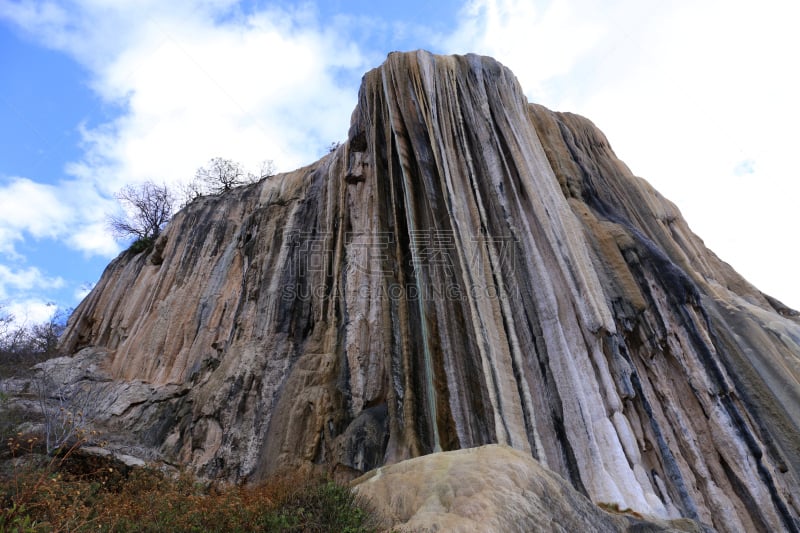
x=697, y=97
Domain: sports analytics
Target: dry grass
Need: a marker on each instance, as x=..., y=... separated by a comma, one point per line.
x=615, y=509
x=76, y=492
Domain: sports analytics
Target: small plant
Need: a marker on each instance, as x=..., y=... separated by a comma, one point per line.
x=16, y=518
x=141, y=244
x=614, y=508
x=29, y=497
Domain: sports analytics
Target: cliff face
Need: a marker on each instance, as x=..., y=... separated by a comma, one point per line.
x=466, y=269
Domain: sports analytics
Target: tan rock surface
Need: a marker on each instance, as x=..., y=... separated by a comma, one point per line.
x=488, y=489
x=466, y=269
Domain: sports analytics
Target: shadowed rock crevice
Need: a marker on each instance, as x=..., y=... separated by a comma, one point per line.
x=468, y=268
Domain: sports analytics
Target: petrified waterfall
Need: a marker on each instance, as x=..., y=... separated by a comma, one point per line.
x=468, y=268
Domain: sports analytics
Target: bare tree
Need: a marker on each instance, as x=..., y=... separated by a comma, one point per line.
x=6, y=321
x=44, y=336
x=265, y=170
x=14, y=338
x=23, y=344
x=221, y=175
x=68, y=412
x=147, y=209
x=189, y=191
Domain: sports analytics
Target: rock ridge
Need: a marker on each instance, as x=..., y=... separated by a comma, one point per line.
x=467, y=269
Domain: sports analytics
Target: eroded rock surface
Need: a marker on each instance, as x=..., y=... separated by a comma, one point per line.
x=467, y=269
x=491, y=488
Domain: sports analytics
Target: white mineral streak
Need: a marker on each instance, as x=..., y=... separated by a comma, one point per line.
x=551, y=219
x=419, y=280
x=496, y=361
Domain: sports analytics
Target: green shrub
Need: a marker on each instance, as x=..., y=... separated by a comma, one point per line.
x=141, y=244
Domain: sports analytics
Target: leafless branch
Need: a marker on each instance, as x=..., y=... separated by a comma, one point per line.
x=68, y=412
x=221, y=175
x=147, y=209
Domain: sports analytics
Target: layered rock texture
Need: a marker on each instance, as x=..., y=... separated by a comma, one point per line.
x=466, y=269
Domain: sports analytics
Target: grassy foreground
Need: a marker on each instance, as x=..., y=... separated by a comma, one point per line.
x=76, y=492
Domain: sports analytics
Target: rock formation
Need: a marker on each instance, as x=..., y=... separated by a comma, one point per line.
x=467, y=269
x=492, y=488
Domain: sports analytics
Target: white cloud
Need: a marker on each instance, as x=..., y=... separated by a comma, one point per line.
x=27, y=207
x=33, y=207
x=194, y=80
x=685, y=91
x=97, y=31
x=538, y=41
x=696, y=97
x=21, y=290
x=27, y=279
x=8, y=236
x=82, y=291
x=708, y=90
x=748, y=166
x=30, y=311
x=71, y=211
x=201, y=80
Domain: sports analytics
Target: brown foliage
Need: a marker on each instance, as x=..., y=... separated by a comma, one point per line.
x=80, y=492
